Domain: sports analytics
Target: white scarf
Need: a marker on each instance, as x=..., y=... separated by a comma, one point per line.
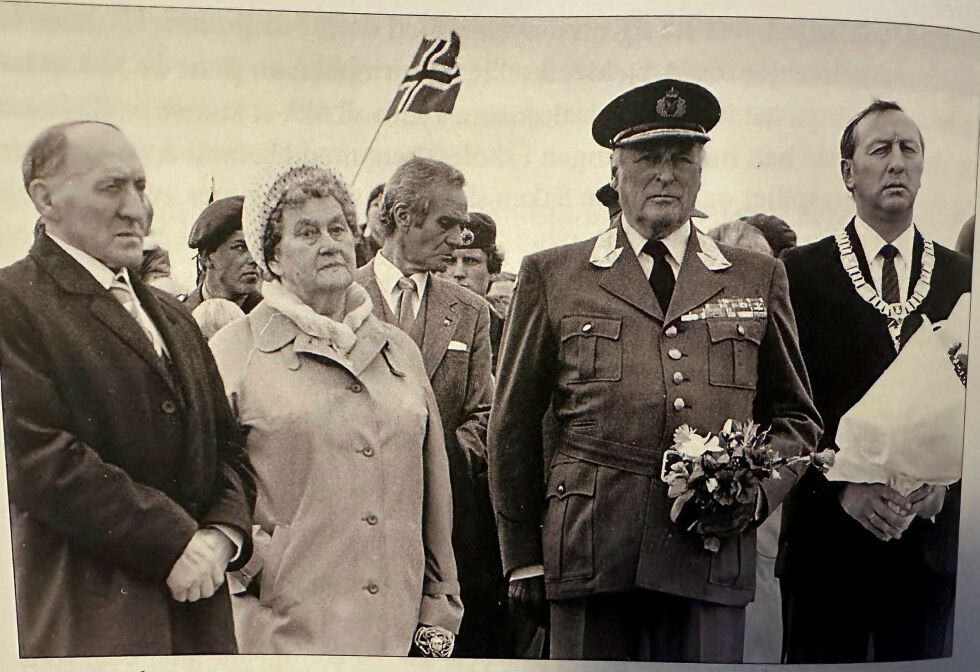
x=341, y=336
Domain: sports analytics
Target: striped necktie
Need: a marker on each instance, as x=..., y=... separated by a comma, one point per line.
x=889, y=276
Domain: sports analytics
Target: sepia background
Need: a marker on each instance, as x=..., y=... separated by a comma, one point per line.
x=206, y=94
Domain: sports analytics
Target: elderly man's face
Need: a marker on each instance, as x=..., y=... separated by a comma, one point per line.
x=500, y=294
x=658, y=183
x=469, y=270
x=429, y=245
x=96, y=201
x=316, y=253
x=886, y=171
x=231, y=271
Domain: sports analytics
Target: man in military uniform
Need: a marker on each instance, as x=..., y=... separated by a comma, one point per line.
x=225, y=269
x=475, y=262
x=630, y=335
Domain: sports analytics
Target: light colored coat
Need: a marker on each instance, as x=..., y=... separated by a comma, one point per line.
x=354, y=512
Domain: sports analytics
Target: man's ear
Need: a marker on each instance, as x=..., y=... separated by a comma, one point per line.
x=613, y=171
x=847, y=174
x=40, y=192
x=401, y=215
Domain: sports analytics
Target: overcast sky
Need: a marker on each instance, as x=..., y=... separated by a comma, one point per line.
x=222, y=94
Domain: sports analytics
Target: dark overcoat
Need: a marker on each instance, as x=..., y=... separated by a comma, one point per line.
x=587, y=334
x=114, y=460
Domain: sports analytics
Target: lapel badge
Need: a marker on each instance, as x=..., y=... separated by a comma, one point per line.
x=671, y=106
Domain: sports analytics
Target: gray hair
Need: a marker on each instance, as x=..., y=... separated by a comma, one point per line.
x=46, y=154
x=412, y=185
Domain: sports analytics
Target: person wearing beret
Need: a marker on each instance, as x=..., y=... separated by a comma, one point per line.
x=475, y=262
x=886, y=562
x=778, y=233
x=130, y=493
x=225, y=269
x=624, y=336
x=370, y=237
x=424, y=212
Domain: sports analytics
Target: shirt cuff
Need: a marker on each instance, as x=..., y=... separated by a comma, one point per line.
x=234, y=536
x=528, y=572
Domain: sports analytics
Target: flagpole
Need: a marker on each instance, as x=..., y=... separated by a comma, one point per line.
x=364, y=158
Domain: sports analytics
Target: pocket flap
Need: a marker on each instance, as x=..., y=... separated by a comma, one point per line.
x=750, y=329
x=572, y=478
x=587, y=325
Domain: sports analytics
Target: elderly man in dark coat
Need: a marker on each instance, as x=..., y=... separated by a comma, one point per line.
x=630, y=335
x=129, y=490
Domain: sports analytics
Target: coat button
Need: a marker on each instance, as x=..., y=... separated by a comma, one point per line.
x=587, y=327
x=740, y=329
x=670, y=331
x=168, y=407
x=371, y=519
x=674, y=353
x=678, y=377
x=679, y=404
x=355, y=388
x=373, y=588
x=368, y=452
x=561, y=488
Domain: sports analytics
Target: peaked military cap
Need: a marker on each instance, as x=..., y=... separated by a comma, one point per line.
x=480, y=233
x=668, y=108
x=215, y=223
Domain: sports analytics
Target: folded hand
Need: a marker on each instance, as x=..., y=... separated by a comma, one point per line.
x=927, y=501
x=200, y=569
x=879, y=509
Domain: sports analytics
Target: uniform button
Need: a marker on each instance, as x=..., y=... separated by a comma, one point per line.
x=368, y=452
x=674, y=353
x=373, y=588
x=355, y=388
x=678, y=377
x=740, y=329
x=168, y=407
x=679, y=404
x=561, y=488
x=670, y=331
x=371, y=519
x=587, y=327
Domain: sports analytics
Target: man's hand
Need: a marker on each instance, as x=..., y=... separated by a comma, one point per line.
x=727, y=523
x=200, y=569
x=880, y=510
x=525, y=597
x=927, y=500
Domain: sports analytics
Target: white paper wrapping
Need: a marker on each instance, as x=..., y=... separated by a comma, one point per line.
x=907, y=430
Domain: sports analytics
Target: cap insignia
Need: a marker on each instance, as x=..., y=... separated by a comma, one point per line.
x=671, y=105
x=467, y=237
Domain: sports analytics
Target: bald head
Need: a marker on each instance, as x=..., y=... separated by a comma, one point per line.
x=46, y=155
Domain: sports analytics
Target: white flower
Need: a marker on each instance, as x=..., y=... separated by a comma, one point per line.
x=691, y=444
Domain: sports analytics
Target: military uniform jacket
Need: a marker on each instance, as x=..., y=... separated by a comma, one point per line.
x=847, y=346
x=586, y=333
x=114, y=460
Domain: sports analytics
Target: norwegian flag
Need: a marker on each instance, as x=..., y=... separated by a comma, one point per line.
x=433, y=80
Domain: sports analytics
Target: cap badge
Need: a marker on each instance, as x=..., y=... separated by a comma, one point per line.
x=671, y=105
x=467, y=237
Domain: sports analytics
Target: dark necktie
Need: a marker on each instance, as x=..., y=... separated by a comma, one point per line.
x=661, y=277
x=889, y=276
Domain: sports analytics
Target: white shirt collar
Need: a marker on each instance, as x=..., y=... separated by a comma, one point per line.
x=675, y=241
x=872, y=242
x=388, y=275
x=102, y=273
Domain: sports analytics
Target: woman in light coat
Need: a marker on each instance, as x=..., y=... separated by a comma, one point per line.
x=352, y=529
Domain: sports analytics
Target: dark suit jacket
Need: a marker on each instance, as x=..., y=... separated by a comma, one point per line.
x=196, y=298
x=463, y=386
x=847, y=346
x=592, y=339
x=114, y=460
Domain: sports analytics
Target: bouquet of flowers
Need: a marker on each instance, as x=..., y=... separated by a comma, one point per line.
x=716, y=474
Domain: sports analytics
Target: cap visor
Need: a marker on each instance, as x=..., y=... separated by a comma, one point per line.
x=658, y=133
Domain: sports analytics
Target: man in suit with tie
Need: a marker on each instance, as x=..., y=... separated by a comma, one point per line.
x=130, y=494
x=424, y=213
x=630, y=335
x=860, y=556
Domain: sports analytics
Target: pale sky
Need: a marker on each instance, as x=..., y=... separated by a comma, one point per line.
x=228, y=95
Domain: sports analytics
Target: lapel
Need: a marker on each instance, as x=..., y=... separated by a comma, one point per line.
x=183, y=364
x=366, y=278
x=73, y=279
x=440, y=322
x=624, y=277
x=701, y=275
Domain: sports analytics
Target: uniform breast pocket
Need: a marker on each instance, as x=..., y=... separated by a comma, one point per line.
x=568, y=529
x=591, y=347
x=734, y=352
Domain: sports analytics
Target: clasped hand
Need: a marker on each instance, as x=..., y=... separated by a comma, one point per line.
x=200, y=569
x=884, y=512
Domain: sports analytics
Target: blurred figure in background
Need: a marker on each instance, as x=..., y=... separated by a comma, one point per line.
x=501, y=290
x=741, y=234
x=964, y=242
x=778, y=233
x=213, y=314
x=372, y=234
x=225, y=269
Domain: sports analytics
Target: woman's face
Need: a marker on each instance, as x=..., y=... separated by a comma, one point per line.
x=316, y=252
